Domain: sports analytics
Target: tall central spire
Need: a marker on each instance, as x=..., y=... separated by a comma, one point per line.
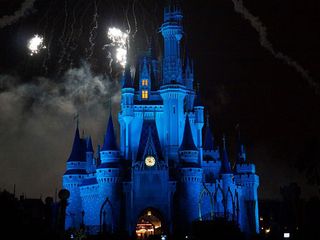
x=172, y=32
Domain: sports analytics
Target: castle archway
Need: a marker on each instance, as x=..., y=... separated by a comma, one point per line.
x=150, y=222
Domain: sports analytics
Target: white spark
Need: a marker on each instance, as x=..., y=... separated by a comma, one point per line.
x=120, y=41
x=121, y=56
x=36, y=44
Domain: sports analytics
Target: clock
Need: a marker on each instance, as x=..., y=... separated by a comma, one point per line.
x=150, y=161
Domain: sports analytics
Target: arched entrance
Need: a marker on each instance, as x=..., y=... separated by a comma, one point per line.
x=150, y=222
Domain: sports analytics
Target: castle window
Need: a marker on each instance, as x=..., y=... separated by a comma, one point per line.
x=144, y=94
x=145, y=82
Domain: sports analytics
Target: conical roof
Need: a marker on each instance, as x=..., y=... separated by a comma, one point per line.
x=76, y=154
x=187, y=141
x=110, y=142
x=208, y=143
x=89, y=145
x=197, y=100
x=127, y=80
x=241, y=153
x=225, y=164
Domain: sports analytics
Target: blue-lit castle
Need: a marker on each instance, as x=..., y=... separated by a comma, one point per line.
x=166, y=171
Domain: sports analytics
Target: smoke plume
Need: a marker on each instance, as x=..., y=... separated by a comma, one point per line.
x=26, y=7
x=37, y=125
x=262, y=31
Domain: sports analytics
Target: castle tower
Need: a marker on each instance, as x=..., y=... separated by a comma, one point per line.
x=189, y=180
x=126, y=114
x=173, y=96
x=211, y=162
x=227, y=182
x=172, y=32
x=208, y=141
x=109, y=180
x=199, y=121
x=72, y=179
x=245, y=176
x=189, y=79
x=189, y=72
x=91, y=165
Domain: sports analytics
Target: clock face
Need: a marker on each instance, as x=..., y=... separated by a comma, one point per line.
x=150, y=161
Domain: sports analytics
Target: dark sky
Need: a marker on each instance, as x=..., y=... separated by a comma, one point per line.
x=241, y=81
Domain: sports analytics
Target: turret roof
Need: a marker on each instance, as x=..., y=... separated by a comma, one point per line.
x=126, y=78
x=241, y=153
x=187, y=141
x=89, y=147
x=197, y=100
x=225, y=164
x=78, y=149
x=208, y=143
x=110, y=138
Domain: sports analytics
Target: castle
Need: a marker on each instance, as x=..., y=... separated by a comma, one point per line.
x=166, y=171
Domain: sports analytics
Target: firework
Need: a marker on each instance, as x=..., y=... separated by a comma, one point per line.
x=120, y=41
x=36, y=44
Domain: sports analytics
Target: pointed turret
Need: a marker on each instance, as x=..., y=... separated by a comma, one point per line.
x=110, y=151
x=188, y=69
x=241, y=153
x=90, y=155
x=110, y=138
x=190, y=179
x=197, y=100
x=98, y=160
x=127, y=81
x=89, y=147
x=151, y=48
x=144, y=69
x=188, y=65
x=75, y=171
x=225, y=164
x=208, y=142
x=187, y=141
x=76, y=153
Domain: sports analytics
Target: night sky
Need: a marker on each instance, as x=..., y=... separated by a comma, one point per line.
x=276, y=104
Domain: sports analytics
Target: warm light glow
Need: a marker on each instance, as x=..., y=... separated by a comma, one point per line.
x=261, y=218
x=144, y=229
x=119, y=40
x=267, y=230
x=144, y=82
x=149, y=213
x=35, y=44
x=286, y=235
x=144, y=94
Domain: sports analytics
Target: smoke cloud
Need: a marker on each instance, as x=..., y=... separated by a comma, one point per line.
x=37, y=125
x=26, y=7
x=263, y=34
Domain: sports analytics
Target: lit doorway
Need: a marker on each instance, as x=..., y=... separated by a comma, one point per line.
x=149, y=224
